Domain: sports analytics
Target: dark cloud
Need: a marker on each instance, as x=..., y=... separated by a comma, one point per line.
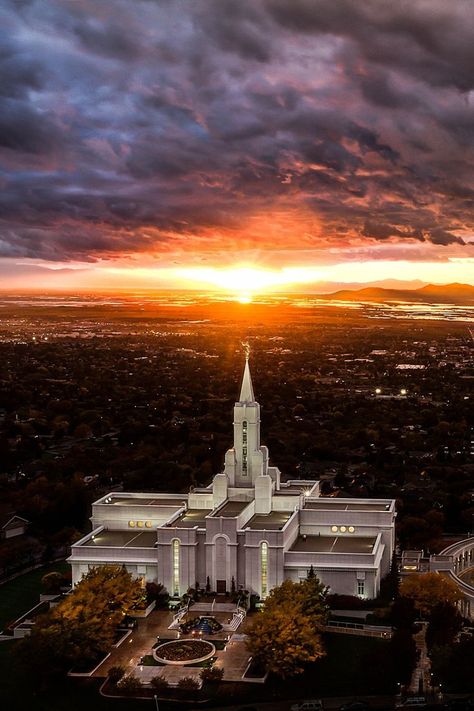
x=377, y=230
x=139, y=126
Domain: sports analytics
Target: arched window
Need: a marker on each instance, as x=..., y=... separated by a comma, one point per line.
x=264, y=569
x=176, y=568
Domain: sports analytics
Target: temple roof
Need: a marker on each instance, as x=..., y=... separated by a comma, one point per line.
x=246, y=391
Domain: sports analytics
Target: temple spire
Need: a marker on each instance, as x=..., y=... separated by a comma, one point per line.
x=246, y=391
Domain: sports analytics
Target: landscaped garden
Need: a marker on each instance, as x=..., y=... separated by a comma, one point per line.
x=19, y=595
x=184, y=651
x=206, y=625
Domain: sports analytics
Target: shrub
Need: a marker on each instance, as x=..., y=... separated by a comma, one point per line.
x=115, y=674
x=212, y=675
x=159, y=683
x=188, y=683
x=130, y=685
x=344, y=602
x=154, y=591
x=52, y=582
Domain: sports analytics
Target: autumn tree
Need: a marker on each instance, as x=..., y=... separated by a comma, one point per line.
x=445, y=621
x=287, y=633
x=427, y=590
x=82, y=626
x=105, y=594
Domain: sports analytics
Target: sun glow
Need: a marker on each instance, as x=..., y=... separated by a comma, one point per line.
x=244, y=281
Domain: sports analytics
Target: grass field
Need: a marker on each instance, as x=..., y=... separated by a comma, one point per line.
x=73, y=695
x=21, y=594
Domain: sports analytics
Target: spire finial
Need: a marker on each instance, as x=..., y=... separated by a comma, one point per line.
x=246, y=391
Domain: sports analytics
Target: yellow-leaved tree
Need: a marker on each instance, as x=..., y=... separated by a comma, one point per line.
x=428, y=590
x=82, y=626
x=286, y=634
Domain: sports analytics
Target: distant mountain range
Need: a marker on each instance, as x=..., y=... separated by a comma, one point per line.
x=431, y=293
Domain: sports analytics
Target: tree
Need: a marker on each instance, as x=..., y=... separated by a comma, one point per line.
x=403, y=613
x=106, y=594
x=427, y=590
x=444, y=623
x=130, y=685
x=155, y=591
x=159, y=683
x=287, y=634
x=452, y=664
x=52, y=582
x=115, y=674
x=212, y=675
x=81, y=628
x=403, y=655
x=390, y=584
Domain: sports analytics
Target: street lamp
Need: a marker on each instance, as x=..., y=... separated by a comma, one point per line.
x=403, y=391
x=156, y=702
x=378, y=391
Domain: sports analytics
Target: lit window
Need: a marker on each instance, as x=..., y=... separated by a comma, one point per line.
x=343, y=529
x=361, y=587
x=131, y=524
x=351, y=529
x=264, y=569
x=176, y=568
x=148, y=524
x=244, y=447
x=334, y=529
x=140, y=524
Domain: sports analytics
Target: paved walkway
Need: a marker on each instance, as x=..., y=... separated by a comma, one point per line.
x=420, y=679
x=170, y=673
x=139, y=643
x=234, y=658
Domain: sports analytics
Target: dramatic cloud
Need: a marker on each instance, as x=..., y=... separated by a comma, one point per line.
x=178, y=129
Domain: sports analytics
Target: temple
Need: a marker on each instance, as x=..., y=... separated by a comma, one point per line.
x=246, y=530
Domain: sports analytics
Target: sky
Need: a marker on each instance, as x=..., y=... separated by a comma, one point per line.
x=162, y=143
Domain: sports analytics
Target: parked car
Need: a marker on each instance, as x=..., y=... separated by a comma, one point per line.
x=355, y=706
x=463, y=704
x=310, y=705
x=412, y=702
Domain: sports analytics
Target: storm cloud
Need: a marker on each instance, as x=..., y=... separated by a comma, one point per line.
x=175, y=127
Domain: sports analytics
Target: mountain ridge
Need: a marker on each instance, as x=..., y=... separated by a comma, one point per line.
x=449, y=293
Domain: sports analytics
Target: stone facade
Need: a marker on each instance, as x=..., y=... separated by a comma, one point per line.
x=248, y=528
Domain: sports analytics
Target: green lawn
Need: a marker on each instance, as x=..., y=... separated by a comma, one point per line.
x=72, y=695
x=21, y=594
x=354, y=665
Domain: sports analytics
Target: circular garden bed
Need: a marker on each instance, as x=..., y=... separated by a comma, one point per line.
x=184, y=651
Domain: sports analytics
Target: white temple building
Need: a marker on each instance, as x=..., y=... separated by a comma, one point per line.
x=248, y=529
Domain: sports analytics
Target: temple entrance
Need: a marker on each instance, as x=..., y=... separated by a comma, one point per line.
x=221, y=587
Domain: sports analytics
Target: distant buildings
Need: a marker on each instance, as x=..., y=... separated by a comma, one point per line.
x=12, y=525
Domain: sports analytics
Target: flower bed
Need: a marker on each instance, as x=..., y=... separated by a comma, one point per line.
x=184, y=651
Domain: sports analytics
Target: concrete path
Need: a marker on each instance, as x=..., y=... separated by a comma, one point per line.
x=420, y=680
